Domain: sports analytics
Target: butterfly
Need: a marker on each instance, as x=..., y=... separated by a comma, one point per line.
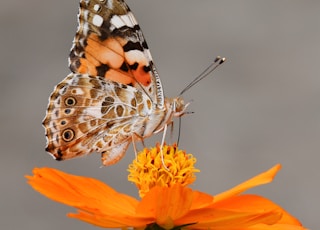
x=114, y=95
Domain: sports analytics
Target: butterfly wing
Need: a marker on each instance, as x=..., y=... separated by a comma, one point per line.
x=114, y=93
x=87, y=113
x=110, y=44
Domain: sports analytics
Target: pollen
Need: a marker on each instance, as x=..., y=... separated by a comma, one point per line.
x=147, y=170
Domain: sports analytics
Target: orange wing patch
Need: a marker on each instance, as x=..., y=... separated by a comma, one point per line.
x=139, y=66
x=108, y=52
x=119, y=76
x=108, y=59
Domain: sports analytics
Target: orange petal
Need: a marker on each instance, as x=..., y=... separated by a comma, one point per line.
x=113, y=220
x=240, y=211
x=235, y=226
x=165, y=204
x=244, y=211
x=201, y=200
x=256, y=203
x=224, y=219
x=263, y=178
x=95, y=198
x=276, y=227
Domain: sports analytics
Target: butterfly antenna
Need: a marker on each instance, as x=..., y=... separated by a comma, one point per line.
x=217, y=62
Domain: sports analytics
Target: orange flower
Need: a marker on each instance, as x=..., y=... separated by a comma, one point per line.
x=165, y=206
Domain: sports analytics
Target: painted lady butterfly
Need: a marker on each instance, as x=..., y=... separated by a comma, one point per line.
x=114, y=94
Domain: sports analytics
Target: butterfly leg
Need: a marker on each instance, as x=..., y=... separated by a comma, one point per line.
x=136, y=136
x=143, y=144
x=171, y=130
x=134, y=146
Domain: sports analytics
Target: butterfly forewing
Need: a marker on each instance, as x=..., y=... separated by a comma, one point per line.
x=109, y=43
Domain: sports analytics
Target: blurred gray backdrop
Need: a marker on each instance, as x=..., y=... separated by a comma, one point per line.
x=260, y=108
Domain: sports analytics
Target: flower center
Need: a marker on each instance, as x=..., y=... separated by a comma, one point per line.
x=147, y=170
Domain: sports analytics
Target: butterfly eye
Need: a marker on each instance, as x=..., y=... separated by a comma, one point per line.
x=68, y=135
x=70, y=101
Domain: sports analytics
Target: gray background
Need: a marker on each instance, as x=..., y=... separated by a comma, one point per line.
x=260, y=108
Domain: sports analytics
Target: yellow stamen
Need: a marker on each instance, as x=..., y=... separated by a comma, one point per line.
x=147, y=170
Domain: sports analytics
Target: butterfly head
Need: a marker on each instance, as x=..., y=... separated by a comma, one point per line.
x=177, y=106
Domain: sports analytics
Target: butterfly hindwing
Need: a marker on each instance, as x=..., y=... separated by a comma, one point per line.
x=89, y=114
